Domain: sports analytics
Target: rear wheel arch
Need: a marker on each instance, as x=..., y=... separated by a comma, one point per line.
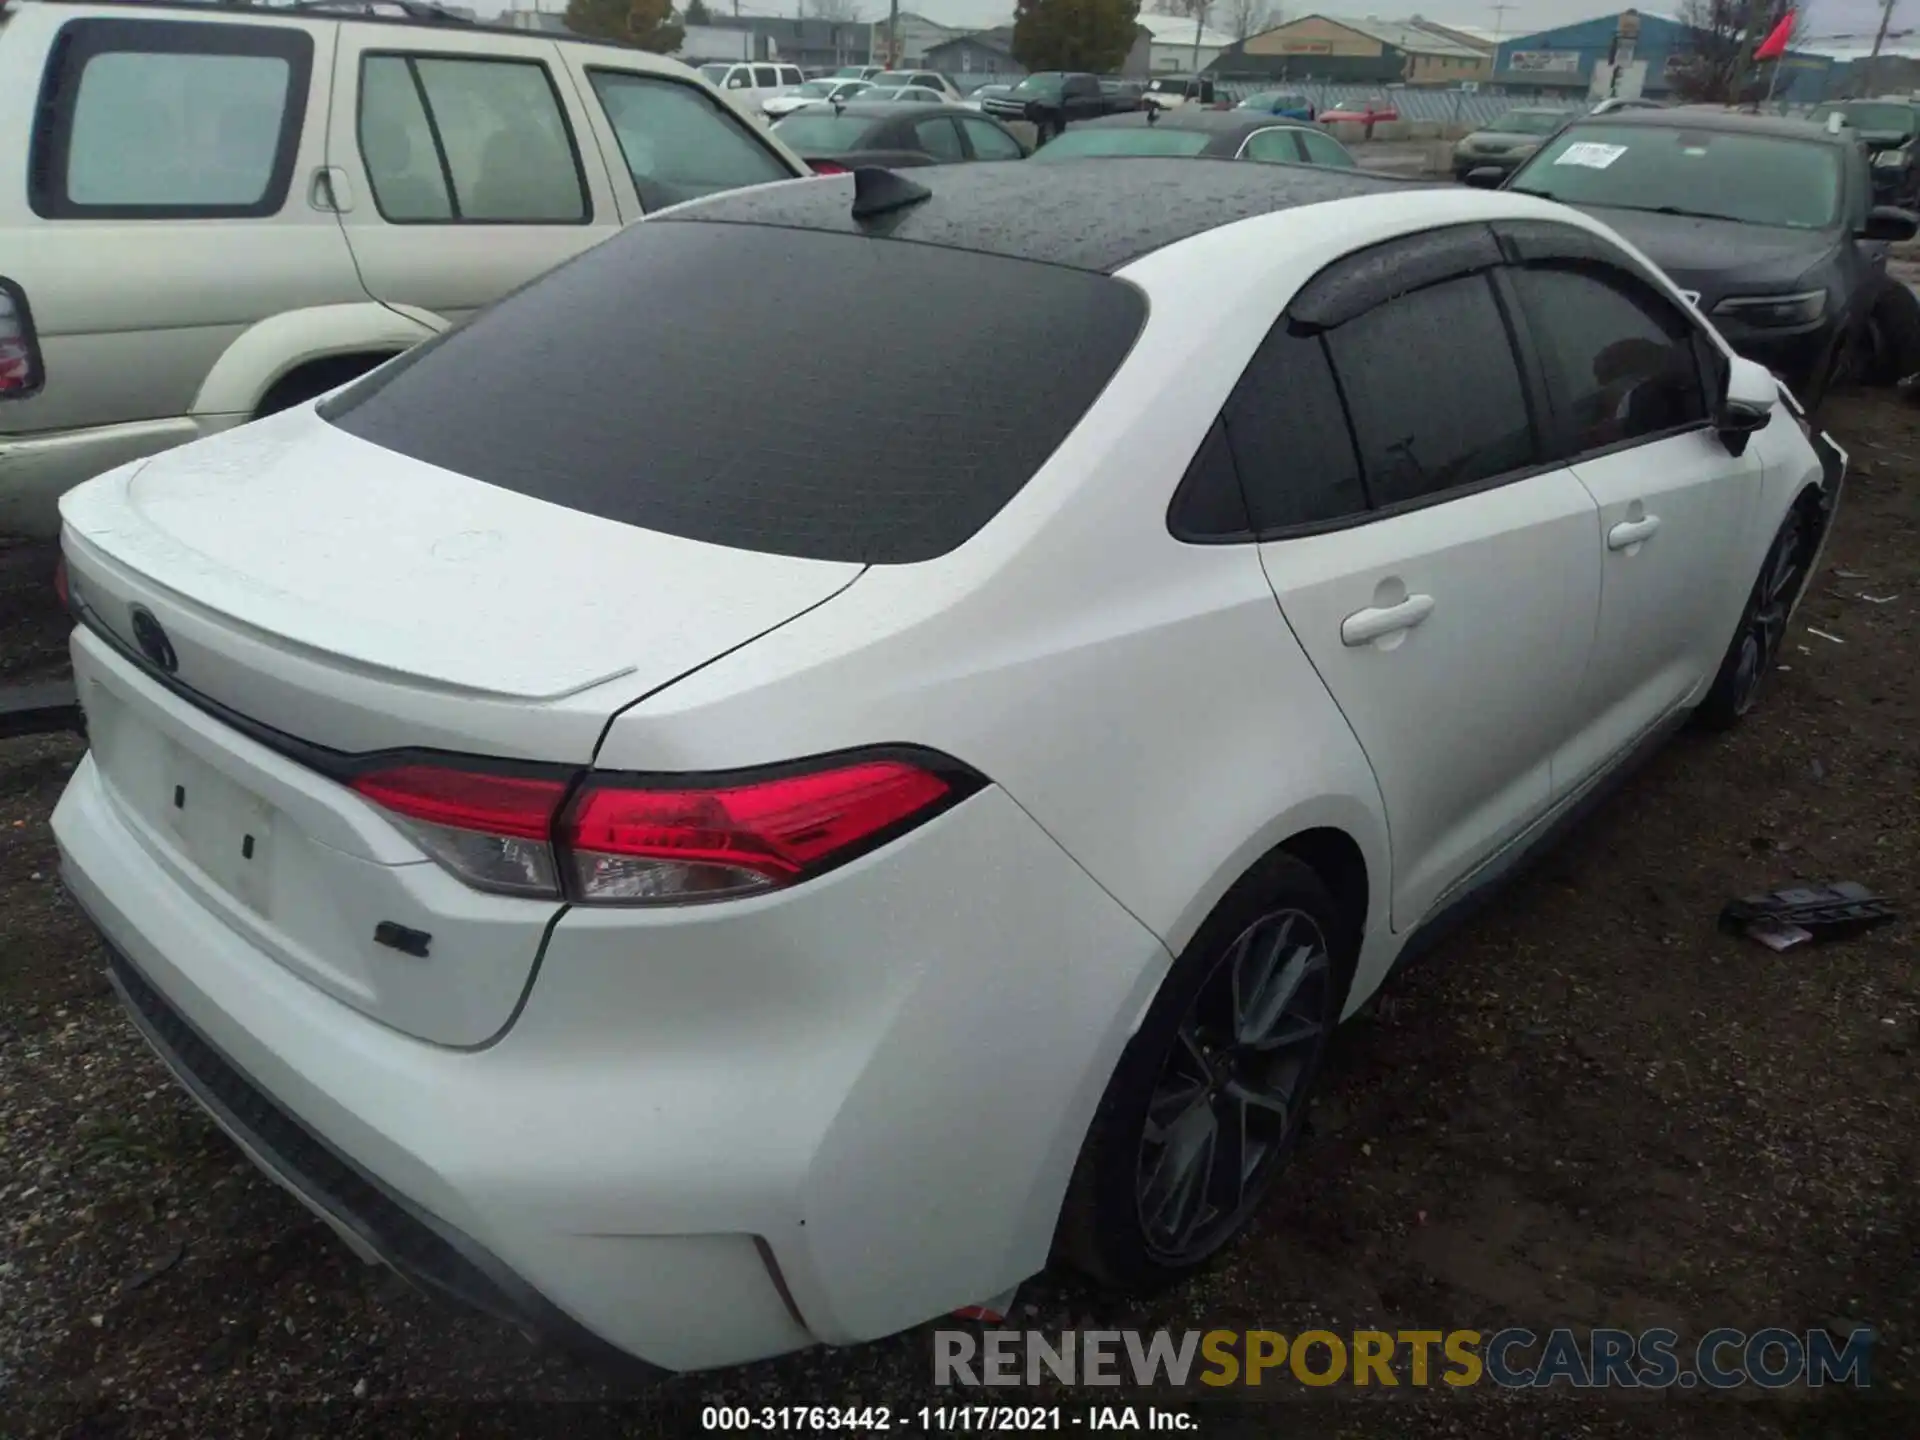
x=252, y=375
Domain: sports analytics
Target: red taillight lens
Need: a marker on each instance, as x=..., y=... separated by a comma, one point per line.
x=19, y=354
x=827, y=167
x=493, y=831
x=645, y=845
x=60, y=591
x=655, y=842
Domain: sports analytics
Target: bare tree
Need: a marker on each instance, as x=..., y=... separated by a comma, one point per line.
x=1715, y=65
x=1242, y=18
x=839, y=10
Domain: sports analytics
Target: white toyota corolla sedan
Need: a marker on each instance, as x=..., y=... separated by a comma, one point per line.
x=701, y=855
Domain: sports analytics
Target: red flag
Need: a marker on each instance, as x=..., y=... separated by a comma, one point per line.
x=1775, y=45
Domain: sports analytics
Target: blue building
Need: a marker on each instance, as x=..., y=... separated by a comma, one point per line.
x=1628, y=53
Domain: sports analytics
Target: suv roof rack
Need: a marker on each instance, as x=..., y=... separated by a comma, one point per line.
x=429, y=11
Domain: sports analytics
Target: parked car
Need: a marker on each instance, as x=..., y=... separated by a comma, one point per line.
x=1504, y=142
x=1366, y=112
x=835, y=138
x=698, y=879
x=750, y=86
x=1170, y=92
x=1208, y=134
x=1122, y=95
x=859, y=72
x=902, y=95
x=1053, y=99
x=1619, y=102
x=219, y=213
x=1887, y=128
x=1769, y=222
x=815, y=92
x=978, y=97
x=926, y=79
x=1289, y=104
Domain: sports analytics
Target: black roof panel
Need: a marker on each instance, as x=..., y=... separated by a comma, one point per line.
x=1097, y=214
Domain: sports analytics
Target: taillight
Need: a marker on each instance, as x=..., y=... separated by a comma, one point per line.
x=656, y=841
x=493, y=831
x=60, y=591
x=646, y=845
x=828, y=167
x=19, y=351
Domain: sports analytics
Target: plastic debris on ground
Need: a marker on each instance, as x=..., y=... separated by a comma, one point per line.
x=1786, y=919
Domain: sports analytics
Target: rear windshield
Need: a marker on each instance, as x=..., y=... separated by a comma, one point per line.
x=618, y=386
x=1122, y=140
x=811, y=130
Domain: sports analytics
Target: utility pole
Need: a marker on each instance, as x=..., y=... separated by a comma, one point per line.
x=1200, y=24
x=893, y=34
x=1879, y=39
x=1499, y=8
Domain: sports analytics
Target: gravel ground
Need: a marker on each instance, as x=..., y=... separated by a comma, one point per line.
x=1588, y=1109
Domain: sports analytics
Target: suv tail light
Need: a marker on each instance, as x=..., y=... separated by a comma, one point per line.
x=19, y=350
x=827, y=167
x=609, y=839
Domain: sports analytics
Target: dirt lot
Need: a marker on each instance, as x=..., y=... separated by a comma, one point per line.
x=1590, y=1109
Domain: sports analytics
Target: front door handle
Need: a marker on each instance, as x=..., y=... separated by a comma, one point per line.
x=1363, y=627
x=1629, y=533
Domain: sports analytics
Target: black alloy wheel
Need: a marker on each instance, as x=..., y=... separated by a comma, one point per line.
x=1763, y=626
x=1228, y=1102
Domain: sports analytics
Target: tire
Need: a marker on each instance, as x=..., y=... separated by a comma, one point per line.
x=1763, y=626
x=1889, y=350
x=1277, y=957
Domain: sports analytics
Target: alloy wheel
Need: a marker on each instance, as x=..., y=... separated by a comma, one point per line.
x=1230, y=1095
x=1767, y=627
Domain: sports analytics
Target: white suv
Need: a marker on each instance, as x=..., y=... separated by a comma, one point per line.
x=750, y=86
x=209, y=214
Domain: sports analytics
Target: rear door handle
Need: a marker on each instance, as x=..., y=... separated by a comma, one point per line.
x=1632, y=532
x=1363, y=627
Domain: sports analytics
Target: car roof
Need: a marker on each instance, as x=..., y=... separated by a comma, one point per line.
x=891, y=109
x=1713, y=117
x=1216, y=122
x=1096, y=214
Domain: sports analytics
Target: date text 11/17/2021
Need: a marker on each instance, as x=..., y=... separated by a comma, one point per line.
x=945, y=1419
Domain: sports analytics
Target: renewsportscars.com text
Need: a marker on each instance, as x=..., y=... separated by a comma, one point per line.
x=1511, y=1358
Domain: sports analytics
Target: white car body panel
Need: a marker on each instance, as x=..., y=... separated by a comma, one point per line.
x=459, y=583
x=883, y=1075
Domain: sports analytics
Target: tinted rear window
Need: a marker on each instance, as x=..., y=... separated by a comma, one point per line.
x=1123, y=140
x=671, y=379
x=806, y=130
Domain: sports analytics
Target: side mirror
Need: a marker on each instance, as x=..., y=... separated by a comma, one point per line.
x=1486, y=177
x=1890, y=222
x=1747, y=407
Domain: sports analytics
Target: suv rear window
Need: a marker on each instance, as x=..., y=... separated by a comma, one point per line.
x=616, y=386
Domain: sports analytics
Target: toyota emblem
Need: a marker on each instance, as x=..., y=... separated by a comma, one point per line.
x=153, y=641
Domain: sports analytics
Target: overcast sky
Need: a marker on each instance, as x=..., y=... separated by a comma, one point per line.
x=1820, y=17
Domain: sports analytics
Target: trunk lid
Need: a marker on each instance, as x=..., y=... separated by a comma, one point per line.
x=292, y=577
x=362, y=600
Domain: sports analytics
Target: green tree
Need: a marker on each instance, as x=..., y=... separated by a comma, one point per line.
x=697, y=13
x=646, y=23
x=1074, y=34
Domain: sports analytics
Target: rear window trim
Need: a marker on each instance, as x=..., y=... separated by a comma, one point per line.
x=78, y=42
x=409, y=56
x=708, y=92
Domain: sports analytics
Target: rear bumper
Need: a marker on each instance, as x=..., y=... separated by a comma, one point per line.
x=708, y=1138
x=376, y=1223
